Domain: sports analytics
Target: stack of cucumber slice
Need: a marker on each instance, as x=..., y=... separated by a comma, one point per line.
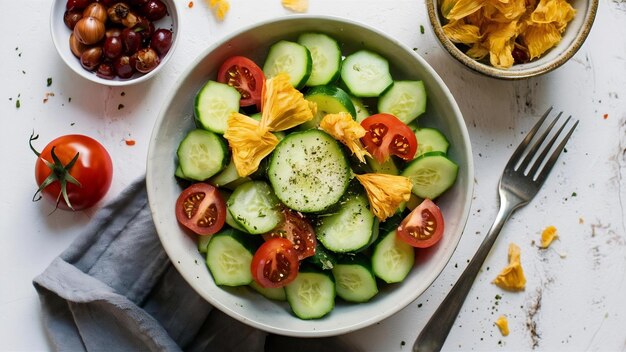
x=312, y=173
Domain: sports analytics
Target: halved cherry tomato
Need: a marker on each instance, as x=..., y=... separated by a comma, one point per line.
x=386, y=135
x=201, y=208
x=297, y=229
x=423, y=227
x=245, y=76
x=275, y=263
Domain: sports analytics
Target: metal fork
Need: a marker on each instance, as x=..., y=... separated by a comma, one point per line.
x=522, y=178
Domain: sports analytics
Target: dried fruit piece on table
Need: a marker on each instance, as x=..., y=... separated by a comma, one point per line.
x=503, y=324
x=512, y=276
x=296, y=5
x=220, y=8
x=548, y=235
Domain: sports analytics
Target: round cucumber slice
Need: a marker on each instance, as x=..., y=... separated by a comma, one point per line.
x=431, y=174
x=329, y=100
x=366, y=74
x=406, y=100
x=291, y=58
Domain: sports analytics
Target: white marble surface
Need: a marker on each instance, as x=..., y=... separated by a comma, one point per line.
x=574, y=299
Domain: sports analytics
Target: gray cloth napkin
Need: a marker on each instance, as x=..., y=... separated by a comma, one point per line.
x=114, y=289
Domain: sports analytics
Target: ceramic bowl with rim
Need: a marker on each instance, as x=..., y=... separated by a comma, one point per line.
x=573, y=38
x=61, y=38
x=242, y=303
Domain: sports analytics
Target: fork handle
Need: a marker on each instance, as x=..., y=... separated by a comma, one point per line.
x=436, y=330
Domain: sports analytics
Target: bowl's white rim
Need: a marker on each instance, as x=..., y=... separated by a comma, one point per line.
x=400, y=305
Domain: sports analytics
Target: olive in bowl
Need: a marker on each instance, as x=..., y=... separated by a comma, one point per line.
x=115, y=42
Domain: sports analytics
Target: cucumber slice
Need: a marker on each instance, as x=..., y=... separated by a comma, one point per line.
x=291, y=58
x=361, y=110
x=312, y=294
x=406, y=100
x=326, y=56
x=203, y=243
x=202, y=154
x=431, y=174
x=329, y=100
x=229, y=256
x=430, y=140
x=351, y=228
x=309, y=171
x=214, y=104
x=366, y=74
x=323, y=258
x=354, y=280
x=273, y=293
x=392, y=259
x=226, y=176
x=389, y=167
x=254, y=206
x=179, y=173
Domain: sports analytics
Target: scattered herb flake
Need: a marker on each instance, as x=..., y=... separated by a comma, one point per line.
x=17, y=103
x=120, y=106
x=24, y=72
x=72, y=124
x=49, y=82
x=123, y=93
x=574, y=194
x=69, y=100
x=421, y=29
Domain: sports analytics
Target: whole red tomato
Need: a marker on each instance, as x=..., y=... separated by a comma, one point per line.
x=73, y=171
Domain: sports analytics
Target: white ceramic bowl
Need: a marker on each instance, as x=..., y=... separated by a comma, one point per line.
x=61, y=38
x=176, y=118
x=573, y=38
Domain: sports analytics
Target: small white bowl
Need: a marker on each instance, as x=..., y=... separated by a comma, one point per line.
x=573, y=38
x=176, y=119
x=61, y=38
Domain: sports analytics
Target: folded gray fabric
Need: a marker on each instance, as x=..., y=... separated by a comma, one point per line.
x=114, y=289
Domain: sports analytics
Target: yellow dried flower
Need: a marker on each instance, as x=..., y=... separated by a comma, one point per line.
x=284, y=107
x=219, y=7
x=547, y=236
x=385, y=192
x=349, y=132
x=296, y=5
x=512, y=276
x=249, y=143
x=460, y=32
x=503, y=324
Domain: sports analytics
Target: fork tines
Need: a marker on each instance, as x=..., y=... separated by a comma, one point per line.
x=534, y=162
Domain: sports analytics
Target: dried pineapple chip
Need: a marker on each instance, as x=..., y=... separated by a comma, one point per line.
x=249, y=143
x=540, y=37
x=385, y=192
x=296, y=5
x=220, y=7
x=464, y=8
x=283, y=106
x=558, y=12
x=512, y=276
x=349, y=132
x=547, y=236
x=460, y=32
x=500, y=42
x=503, y=324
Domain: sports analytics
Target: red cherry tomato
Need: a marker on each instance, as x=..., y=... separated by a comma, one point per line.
x=423, y=227
x=245, y=76
x=297, y=229
x=386, y=135
x=275, y=263
x=74, y=171
x=201, y=209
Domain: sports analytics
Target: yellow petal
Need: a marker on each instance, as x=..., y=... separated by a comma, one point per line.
x=547, y=236
x=464, y=8
x=283, y=106
x=296, y=5
x=558, y=12
x=248, y=142
x=508, y=9
x=503, y=324
x=385, y=192
x=477, y=51
x=539, y=37
x=500, y=40
x=460, y=32
x=349, y=132
x=512, y=276
x=220, y=7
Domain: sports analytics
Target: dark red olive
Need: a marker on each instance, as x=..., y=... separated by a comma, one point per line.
x=123, y=67
x=161, y=41
x=131, y=41
x=77, y=4
x=107, y=3
x=91, y=58
x=145, y=28
x=112, y=47
x=105, y=70
x=71, y=17
x=136, y=3
x=145, y=60
x=154, y=10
